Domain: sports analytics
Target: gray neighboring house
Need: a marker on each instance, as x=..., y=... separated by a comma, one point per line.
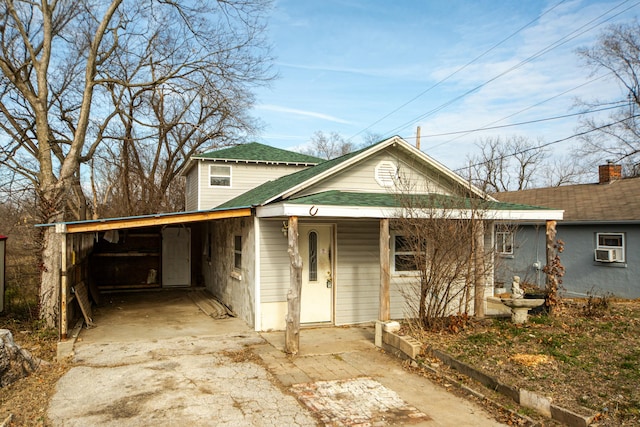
x=600, y=230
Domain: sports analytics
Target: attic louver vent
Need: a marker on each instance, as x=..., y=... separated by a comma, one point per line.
x=386, y=173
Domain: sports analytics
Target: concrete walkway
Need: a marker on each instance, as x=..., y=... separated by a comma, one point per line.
x=344, y=378
x=158, y=360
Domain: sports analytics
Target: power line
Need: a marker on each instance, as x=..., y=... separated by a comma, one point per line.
x=547, y=144
x=515, y=124
x=488, y=125
x=457, y=71
x=572, y=35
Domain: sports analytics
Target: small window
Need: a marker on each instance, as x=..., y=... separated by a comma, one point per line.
x=610, y=247
x=407, y=254
x=237, y=252
x=313, y=256
x=504, y=242
x=219, y=176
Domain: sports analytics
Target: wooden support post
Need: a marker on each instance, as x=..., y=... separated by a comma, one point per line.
x=478, y=271
x=64, y=289
x=385, y=271
x=292, y=333
x=552, y=281
x=551, y=238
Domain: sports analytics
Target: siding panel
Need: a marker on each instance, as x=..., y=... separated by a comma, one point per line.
x=361, y=177
x=244, y=177
x=358, y=272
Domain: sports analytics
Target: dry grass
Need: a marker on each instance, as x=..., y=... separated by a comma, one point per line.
x=584, y=359
x=26, y=400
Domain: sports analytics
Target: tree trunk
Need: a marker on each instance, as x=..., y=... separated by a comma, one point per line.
x=15, y=362
x=292, y=335
x=50, y=279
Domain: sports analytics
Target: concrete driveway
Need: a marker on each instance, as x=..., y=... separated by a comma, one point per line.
x=159, y=360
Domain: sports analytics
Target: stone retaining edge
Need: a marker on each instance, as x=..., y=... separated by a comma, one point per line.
x=405, y=347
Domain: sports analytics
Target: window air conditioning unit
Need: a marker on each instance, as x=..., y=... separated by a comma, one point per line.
x=606, y=255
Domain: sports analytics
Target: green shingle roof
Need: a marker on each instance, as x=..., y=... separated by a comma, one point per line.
x=257, y=152
x=389, y=200
x=270, y=189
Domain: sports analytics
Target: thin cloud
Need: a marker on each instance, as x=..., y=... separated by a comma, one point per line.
x=280, y=109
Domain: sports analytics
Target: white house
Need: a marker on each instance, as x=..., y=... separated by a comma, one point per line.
x=345, y=209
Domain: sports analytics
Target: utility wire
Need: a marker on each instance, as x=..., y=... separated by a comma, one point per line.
x=574, y=34
x=457, y=71
x=515, y=124
x=488, y=125
x=547, y=144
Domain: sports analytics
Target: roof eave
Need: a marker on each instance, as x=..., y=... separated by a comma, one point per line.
x=346, y=211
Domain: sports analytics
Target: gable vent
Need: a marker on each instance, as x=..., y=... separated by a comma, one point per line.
x=386, y=173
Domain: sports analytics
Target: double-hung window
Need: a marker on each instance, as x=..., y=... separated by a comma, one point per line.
x=504, y=241
x=219, y=176
x=408, y=254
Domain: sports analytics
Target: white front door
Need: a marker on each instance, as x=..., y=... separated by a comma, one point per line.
x=315, y=246
x=176, y=256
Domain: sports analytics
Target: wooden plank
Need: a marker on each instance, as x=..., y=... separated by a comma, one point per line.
x=292, y=333
x=147, y=221
x=385, y=271
x=85, y=305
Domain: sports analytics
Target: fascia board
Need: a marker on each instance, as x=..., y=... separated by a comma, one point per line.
x=288, y=209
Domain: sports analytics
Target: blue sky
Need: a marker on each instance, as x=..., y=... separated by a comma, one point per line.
x=353, y=66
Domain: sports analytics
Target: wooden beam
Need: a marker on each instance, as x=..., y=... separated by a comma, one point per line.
x=552, y=281
x=478, y=271
x=149, y=221
x=64, y=290
x=551, y=238
x=292, y=333
x=385, y=271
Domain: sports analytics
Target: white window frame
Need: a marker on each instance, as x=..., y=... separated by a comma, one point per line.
x=620, y=250
x=394, y=252
x=502, y=247
x=212, y=175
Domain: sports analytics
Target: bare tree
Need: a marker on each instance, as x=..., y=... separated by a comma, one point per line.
x=505, y=165
x=329, y=146
x=559, y=171
x=445, y=248
x=62, y=61
x=617, y=138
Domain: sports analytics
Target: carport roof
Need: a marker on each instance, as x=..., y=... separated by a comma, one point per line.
x=148, y=220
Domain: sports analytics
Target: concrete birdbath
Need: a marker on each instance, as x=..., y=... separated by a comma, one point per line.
x=520, y=307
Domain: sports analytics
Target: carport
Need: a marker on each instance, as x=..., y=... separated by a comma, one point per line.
x=149, y=252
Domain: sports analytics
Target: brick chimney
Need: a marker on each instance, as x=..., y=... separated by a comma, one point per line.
x=609, y=172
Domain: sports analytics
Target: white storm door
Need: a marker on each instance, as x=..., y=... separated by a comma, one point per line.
x=176, y=256
x=315, y=246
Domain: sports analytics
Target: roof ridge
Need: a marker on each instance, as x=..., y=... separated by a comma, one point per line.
x=258, y=152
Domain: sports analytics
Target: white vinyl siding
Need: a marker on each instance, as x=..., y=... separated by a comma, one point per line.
x=358, y=272
x=246, y=176
x=357, y=277
x=362, y=177
x=274, y=263
x=191, y=190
